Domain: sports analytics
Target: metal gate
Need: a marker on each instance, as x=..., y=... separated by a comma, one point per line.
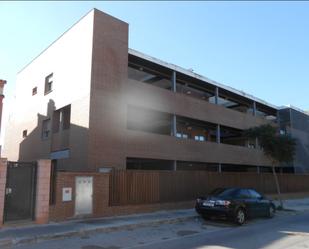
x=20, y=191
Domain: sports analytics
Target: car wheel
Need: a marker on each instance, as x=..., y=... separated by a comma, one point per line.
x=240, y=216
x=271, y=211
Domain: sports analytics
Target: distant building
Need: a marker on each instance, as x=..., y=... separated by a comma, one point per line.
x=296, y=123
x=88, y=102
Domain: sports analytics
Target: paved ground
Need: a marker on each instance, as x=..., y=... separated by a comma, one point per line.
x=155, y=228
x=287, y=229
x=291, y=231
x=297, y=204
x=33, y=233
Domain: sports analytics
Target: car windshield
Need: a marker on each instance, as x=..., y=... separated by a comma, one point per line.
x=223, y=192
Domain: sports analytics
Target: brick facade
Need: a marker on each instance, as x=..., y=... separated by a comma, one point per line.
x=42, y=192
x=66, y=210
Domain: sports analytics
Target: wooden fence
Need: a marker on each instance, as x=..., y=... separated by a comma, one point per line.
x=146, y=187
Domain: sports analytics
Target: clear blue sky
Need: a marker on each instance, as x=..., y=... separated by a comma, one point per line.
x=261, y=48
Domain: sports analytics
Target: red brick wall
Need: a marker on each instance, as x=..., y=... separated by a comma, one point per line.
x=42, y=192
x=66, y=210
x=62, y=210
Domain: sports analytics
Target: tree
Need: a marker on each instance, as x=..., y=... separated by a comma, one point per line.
x=278, y=148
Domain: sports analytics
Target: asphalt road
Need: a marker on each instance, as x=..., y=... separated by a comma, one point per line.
x=286, y=230
x=290, y=231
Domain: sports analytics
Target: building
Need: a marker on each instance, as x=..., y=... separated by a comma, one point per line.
x=88, y=102
x=295, y=122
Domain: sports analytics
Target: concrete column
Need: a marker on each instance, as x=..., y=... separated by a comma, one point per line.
x=174, y=165
x=219, y=168
x=254, y=108
x=174, y=126
x=174, y=81
x=217, y=95
x=256, y=143
x=218, y=134
x=3, y=169
x=42, y=191
x=278, y=119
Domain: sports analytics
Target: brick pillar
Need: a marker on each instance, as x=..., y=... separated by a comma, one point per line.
x=42, y=192
x=3, y=168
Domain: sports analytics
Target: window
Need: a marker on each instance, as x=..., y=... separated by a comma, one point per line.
x=34, y=91
x=45, y=129
x=24, y=133
x=243, y=194
x=62, y=119
x=56, y=121
x=182, y=135
x=66, y=117
x=199, y=138
x=48, y=84
x=254, y=194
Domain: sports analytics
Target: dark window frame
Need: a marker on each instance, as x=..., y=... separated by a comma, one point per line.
x=47, y=131
x=34, y=91
x=48, y=84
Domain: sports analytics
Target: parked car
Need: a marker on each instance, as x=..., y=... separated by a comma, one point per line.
x=236, y=204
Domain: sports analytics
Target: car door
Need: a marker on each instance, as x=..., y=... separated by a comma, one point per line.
x=261, y=204
x=244, y=197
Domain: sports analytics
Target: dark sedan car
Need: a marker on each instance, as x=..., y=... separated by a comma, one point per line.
x=236, y=204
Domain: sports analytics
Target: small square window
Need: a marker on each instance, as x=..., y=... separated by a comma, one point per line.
x=48, y=84
x=24, y=133
x=34, y=91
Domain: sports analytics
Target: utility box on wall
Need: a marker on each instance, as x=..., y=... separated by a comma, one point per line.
x=66, y=194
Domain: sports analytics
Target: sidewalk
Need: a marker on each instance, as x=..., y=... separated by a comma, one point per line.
x=35, y=233
x=299, y=205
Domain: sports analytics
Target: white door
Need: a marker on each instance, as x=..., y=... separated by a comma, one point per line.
x=83, y=195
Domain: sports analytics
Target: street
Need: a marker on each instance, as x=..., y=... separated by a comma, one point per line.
x=286, y=230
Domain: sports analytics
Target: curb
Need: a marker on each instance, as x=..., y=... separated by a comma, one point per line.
x=7, y=243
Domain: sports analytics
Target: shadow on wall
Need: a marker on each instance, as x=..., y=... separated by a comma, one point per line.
x=48, y=137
